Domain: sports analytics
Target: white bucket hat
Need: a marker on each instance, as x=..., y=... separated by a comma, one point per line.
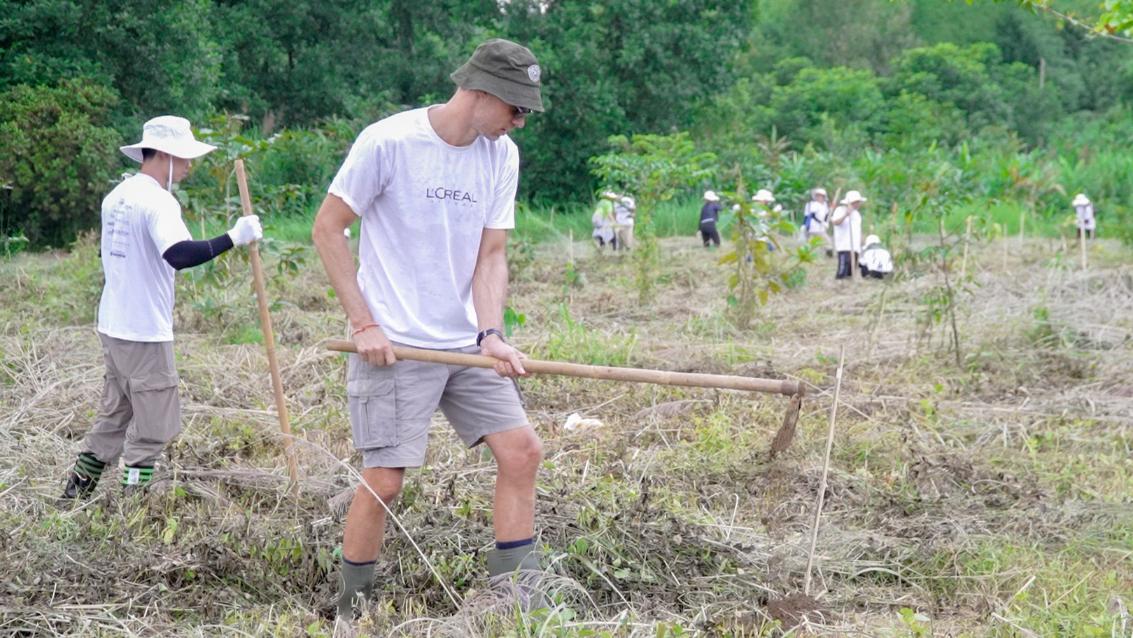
x=872, y=239
x=1080, y=200
x=763, y=196
x=169, y=134
x=818, y=191
x=853, y=197
x=711, y=196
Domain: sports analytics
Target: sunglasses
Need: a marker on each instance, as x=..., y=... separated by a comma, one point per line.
x=520, y=111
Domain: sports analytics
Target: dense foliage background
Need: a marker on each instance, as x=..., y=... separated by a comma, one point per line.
x=870, y=94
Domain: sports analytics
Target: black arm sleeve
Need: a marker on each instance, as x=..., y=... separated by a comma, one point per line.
x=186, y=254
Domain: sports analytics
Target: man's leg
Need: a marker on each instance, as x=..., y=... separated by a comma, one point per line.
x=514, y=560
x=103, y=443
x=365, y=530
x=157, y=409
x=518, y=454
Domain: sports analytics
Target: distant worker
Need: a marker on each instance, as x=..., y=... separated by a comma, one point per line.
x=624, y=210
x=847, y=220
x=709, y=215
x=763, y=200
x=1084, y=211
x=603, y=222
x=876, y=261
x=816, y=219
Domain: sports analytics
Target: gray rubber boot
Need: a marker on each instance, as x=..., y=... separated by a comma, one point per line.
x=517, y=572
x=357, y=582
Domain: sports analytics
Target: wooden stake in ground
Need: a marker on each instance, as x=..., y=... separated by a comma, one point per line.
x=1082, y=242
x=825, y=472
x=967, y=239
x=269, y=335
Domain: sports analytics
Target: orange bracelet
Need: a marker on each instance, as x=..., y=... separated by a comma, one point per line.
x=365, y=327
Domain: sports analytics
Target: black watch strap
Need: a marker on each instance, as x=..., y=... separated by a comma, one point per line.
x=484, y=335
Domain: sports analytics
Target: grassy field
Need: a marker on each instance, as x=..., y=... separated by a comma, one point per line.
x=679, y=217
x=993, y=497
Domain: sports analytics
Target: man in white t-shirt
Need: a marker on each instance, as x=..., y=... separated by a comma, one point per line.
x=144, y=242
x=816, y=217
x=435, y=189
x=847, y=221
x=1084, y=215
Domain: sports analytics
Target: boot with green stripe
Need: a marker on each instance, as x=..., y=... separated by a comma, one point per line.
x=135, y=479
x=83, y=478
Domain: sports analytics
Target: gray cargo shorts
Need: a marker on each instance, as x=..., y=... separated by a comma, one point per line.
x=391, y=406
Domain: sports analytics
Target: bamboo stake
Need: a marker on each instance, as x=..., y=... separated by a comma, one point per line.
x=1082, y=241
x=967, y=238
x=825, y=473
x=638, y=375
x=269, y=335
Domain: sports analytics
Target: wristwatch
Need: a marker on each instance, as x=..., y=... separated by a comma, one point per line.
x=484, y=335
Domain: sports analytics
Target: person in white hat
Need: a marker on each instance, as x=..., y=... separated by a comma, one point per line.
x=876, y=261
x=625, y=209
x=816, y=218
x=144, y=242
x=603, y=223
x=1084, y=213
x=847, y=221
x=709, y=215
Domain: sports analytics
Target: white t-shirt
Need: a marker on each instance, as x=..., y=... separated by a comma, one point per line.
x=140, y=221
x=424, y=206
x=1085, y=215
x=848, y=234
x=819, y=213
x=877, y=259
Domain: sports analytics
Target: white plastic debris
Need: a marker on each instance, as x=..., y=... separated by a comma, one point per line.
x=575, y=423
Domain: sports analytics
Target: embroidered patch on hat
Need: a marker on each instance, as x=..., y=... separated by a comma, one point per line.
x=533, y=72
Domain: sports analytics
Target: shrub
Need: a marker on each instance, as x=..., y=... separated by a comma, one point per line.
x=58, y=161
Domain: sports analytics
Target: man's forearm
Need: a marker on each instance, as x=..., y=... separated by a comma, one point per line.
x=489, y=290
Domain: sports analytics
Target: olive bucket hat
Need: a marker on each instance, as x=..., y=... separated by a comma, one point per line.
x=505, y=69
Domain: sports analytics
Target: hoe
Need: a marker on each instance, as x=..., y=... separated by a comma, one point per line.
x=792, y=389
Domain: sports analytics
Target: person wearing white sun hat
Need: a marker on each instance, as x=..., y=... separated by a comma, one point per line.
x=1084, y=214
x=876, y=260
x=144, y=242
x=816, y=217
x=709, y=215
x=847, y=222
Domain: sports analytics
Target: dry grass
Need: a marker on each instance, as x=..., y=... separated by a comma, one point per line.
x=991, y=499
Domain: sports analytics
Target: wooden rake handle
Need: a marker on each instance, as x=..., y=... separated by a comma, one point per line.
x=637, y=375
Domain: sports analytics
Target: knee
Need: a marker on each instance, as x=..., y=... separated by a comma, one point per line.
x=524, y=455
x=387, y=489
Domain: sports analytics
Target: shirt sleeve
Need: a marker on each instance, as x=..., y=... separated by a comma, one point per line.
x=365, y=172
x=501, y=215
x=165, y=225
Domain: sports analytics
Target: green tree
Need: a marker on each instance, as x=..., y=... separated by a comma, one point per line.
x=651, y=168
x=58, y=159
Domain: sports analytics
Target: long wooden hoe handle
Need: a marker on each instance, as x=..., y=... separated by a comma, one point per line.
x=269, y=335
x=659, y=377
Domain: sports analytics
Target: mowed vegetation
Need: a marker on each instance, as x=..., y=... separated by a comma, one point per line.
x=981, y=479
x=985, y=498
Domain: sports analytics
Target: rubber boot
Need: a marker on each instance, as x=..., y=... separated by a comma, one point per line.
x=517, y=571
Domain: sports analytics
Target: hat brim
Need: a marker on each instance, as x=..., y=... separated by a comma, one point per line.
x=184, y=150
x=468, y=76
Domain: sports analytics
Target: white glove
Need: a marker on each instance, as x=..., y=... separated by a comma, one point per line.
x=246, y=230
